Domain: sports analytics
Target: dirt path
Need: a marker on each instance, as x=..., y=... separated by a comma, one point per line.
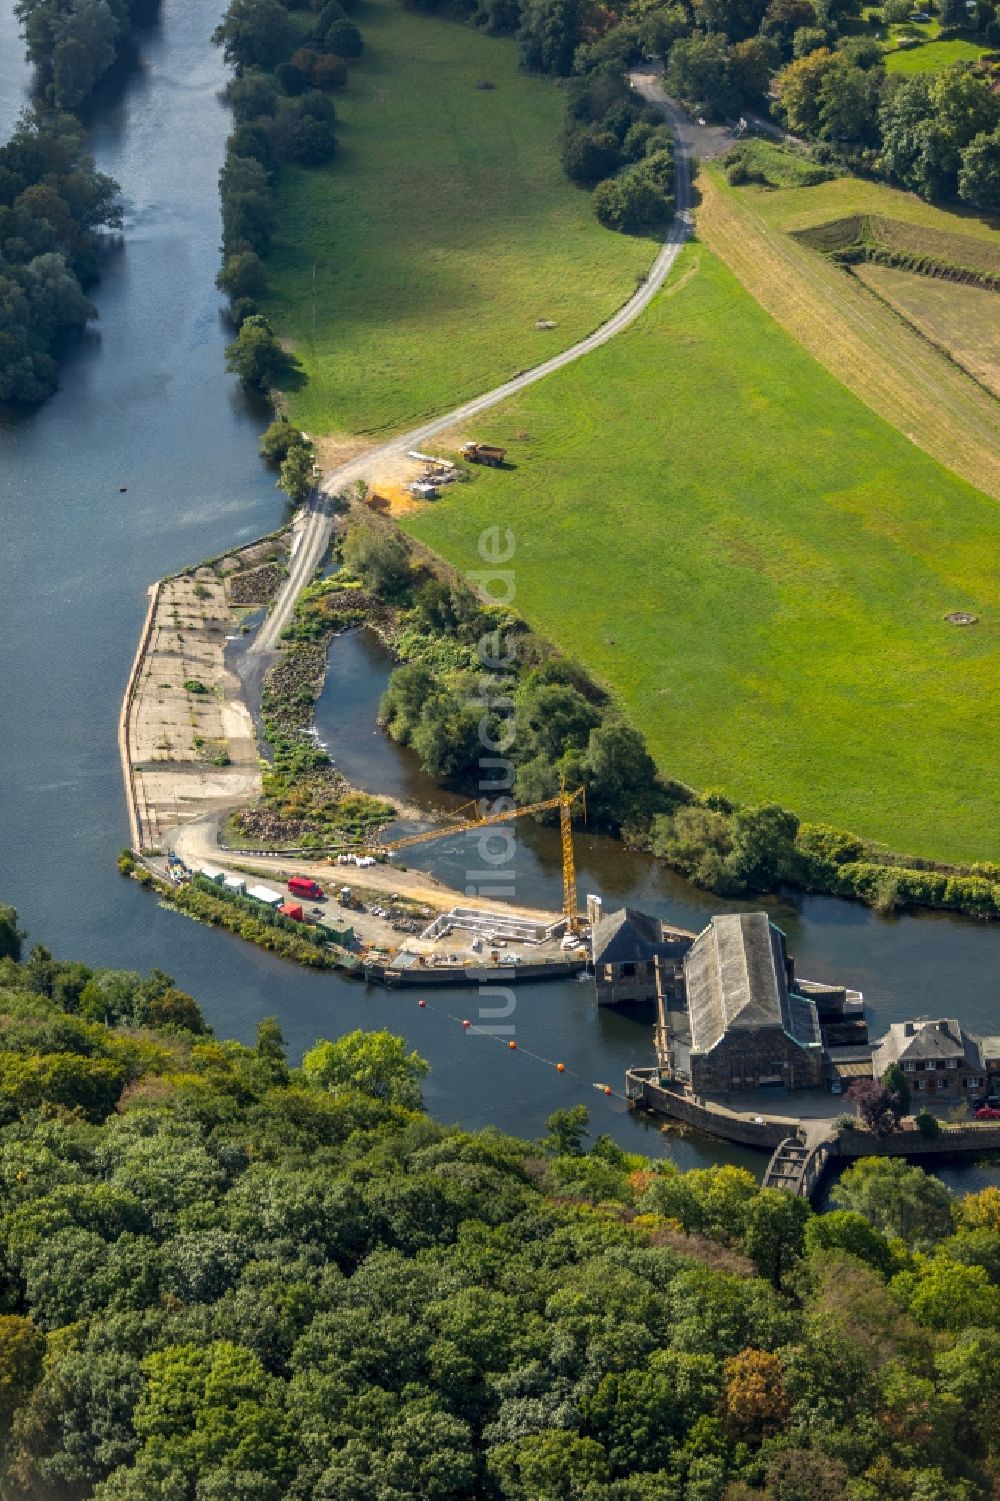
x=314, y=531
x=198, y=844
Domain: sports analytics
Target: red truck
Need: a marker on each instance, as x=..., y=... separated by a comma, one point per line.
x=303, y=886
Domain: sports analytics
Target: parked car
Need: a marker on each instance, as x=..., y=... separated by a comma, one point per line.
x=988, y=1113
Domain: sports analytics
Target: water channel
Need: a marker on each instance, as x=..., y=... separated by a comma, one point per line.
x=145, y=403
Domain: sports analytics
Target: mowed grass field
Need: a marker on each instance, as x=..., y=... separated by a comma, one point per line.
x=758, y=567
x=965, y=321
x=859, y=339
x=440, y=233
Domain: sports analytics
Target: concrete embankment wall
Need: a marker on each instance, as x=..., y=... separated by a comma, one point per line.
x=975, y=1137
x=125, y=720
x=766, y=1134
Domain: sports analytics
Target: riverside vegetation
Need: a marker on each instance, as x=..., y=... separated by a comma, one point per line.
x=53, y=203
x=225, y=1277
x=73, y=43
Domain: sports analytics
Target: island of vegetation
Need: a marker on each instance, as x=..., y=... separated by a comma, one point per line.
x=226, y=1277
x=53, y=203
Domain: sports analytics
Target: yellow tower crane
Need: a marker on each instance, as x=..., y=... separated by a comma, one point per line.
x=564, y=802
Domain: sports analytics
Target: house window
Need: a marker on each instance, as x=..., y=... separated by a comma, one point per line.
x=628, y=970
x=952, y=1063
x=921, y=1083
x=909, y=1067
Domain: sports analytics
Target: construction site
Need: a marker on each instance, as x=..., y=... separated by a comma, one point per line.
x=397, y=926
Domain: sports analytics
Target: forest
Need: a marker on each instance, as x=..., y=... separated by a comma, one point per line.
x=224, y=1278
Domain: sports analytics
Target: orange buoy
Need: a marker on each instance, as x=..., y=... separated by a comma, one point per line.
x=421, y=1003
x=560, y=1068
x=608, y=1089
x=512, y=1045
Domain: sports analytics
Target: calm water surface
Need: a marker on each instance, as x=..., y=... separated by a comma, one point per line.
x=145, y=403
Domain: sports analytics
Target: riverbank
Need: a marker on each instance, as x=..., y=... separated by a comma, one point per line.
x=185, y=734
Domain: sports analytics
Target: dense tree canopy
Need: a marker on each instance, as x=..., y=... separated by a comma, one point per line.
x=52, y=204
x=222, y=1277
x=74, y=43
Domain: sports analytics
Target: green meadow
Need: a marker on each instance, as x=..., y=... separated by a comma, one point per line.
x=410, y=272
x=758, y=567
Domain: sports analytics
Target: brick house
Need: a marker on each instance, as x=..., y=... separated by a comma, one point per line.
x=936, y=1056
x=748, y=1027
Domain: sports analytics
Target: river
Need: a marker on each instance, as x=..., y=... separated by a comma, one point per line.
x=145, y=402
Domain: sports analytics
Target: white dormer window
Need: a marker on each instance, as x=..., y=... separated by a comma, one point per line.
x=953, y=1063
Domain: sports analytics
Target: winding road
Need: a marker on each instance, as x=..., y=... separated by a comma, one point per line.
x=315, y=526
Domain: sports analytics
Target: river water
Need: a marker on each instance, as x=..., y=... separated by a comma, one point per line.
x=145, y=403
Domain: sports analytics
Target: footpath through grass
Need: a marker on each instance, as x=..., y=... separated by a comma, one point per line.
x=759, y=568
x=440, y=233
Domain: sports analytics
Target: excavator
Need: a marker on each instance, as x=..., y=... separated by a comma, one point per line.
x=563, y=801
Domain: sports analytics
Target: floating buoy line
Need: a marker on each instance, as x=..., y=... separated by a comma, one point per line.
x=516, y=1047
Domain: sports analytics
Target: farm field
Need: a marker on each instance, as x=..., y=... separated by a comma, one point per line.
x=896, y=372
x=440, y=232
x=965, y=321
x=757, y=566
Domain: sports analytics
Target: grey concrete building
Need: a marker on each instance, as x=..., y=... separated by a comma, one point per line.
x=748, y=1027
x=937, y=1057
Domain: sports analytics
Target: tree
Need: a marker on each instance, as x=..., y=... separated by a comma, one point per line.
x=550, y=1466
x=763, y=845
x=549, y=34
x=242, y=275
x=566, y=1129
x=270, y=1042
x=783, y=18
x=897, y=1199
x=256, y=356
x=806, y=1475
x=344, y=39
x=953, y=15
x=775, y=1226
x=754, y=1399
x=254, y=34
x=11, y=935
x=277, y=439
x=620, y=771
x=298, y=472
x=797, y=88
x=979, y=174
x=630, y=202
x=698, y=72
x=896, y=1082
x=846, y=1230
x=590, y=155
x=22, y=1347
x=551, y=719
x=876, y=1107
x=378, y=557
x=374, y=1063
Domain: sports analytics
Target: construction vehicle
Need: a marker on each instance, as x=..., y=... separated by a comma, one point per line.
x=484, y=453
x=564, y=802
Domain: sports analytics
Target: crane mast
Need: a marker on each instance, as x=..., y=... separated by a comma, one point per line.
x=564, y=802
